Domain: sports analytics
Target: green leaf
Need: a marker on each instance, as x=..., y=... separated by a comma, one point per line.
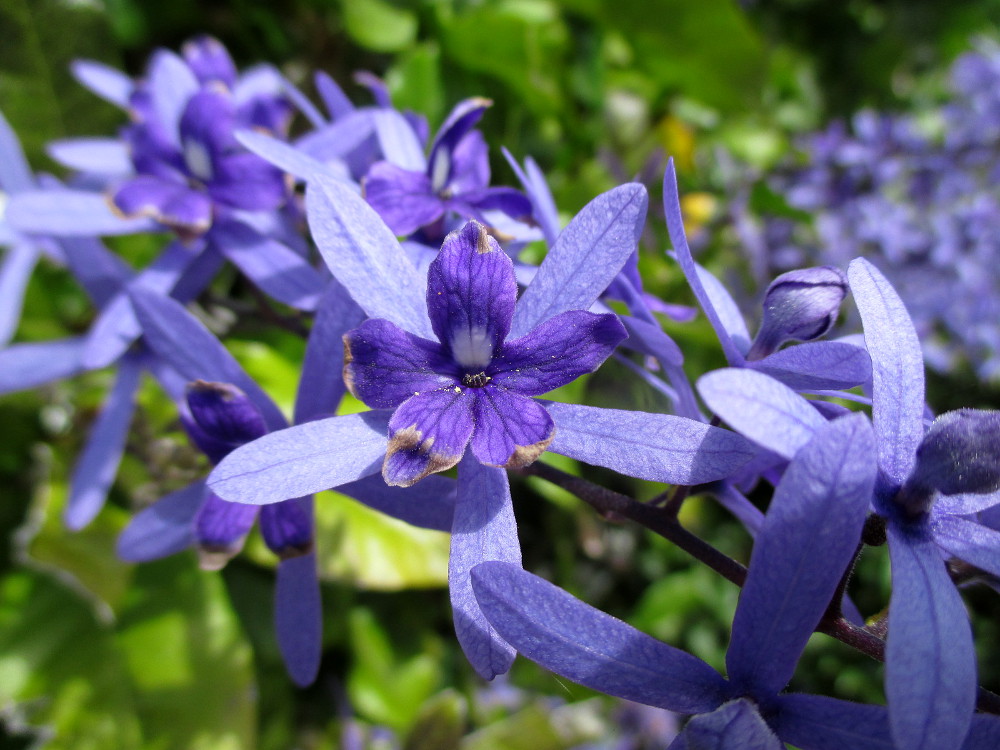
x=540, y=727
x=440, y=725
x=379, y=25
x=189, y=660
x=61, y=668
x=371, y=550
x=415, y=81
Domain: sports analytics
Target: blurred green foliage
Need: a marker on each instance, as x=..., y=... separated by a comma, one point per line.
x=95, y=653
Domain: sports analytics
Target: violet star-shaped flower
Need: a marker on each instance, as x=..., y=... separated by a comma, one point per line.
x=471, y=387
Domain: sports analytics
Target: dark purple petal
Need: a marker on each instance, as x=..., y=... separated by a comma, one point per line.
x=364, y=256
x=508, y=200
x=298, y=617
x=70, y=213
x=287, y=527
x=470, y=296
x=457, y=124
x=164, y=528
x=427, y=434
x=188, y=347
x=104, y=156
x=818, y=365
x=98, y=464
x=960, y=453
x=465, y=171
x=574, y=640
x=174, y=204
x=385, y=365
x=402, y=197
x=225, y=416
x=733, y=726
x=398, y=141
x=245, y=181
x=766, y=411
x=321, y=383
x=930, y=662
x=809, y=537
x=976, y=544
x=303, y=459
x=220, y=529
x=483, y=529
x=587, y=256
x=24, y=366
x=511, y=430
x=18, y=264
x=275, y=268
x=430, y=503
x=557, y=352
x=984, y=734
x=334, y=98
x=897, y=369
x=820, y=723
x=678, y=238
x=657, y=447
x=108, y=83
x=209, y=60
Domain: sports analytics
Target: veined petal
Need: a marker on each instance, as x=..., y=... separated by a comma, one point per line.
x=471, y=292
x=385, y=365
x=164, y=528
x=976, y=544
x=24, y=366
x=465, y=170
x=810, y=533
x=572, y=639
x=964, y=504
x=817, y=365
x=657, y=447
x=224, y=418
x=245, y=181
x=402, y=197
x=897, y=369
x=70, y=213
x=766, y=411
x=108, y=83
x=462, y=118
x=220, y=529
x=427, y=434
x=557, y=352
x=511, y=430
x=930, y=662
x=483, y=529
x=303, y=459
x=364, y=256
x=821, y=723
x=98, y=464
x=298, y=617
x=589, y=253
x=283, y=155
x=736, y=725
x=104, y=156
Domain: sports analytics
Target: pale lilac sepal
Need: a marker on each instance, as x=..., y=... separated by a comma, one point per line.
x=285, y=156
x=165, y=527
x=930, y=662
x=736, y=725
x=108, y=83
x=398, y=141
x=18, y=264
x=726, y=308
x=651, y=339
x=70, y=213
x=818, y=365
x=364, y=256
x=15, y=173
x=583, y=644
x=656, y=447
x=334, y=98
x=537, y=190
x=429, y=504
x=821, y=723
x=962, y=505
x=102, y=156
x=976, y=544
x=171, y=85
x=809, y=537
x=758, y=406
x=897, y=369
x=301, y=102
x=298, y=618
x=303, y=459
x=483, y=529
x=588, y=255
x=96, y=468
x=99, y=271
x=24, y=366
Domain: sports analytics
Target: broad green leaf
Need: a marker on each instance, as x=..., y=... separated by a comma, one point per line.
x=371, y=550
x=189, y=659
x=379, y=25
x=61, y=668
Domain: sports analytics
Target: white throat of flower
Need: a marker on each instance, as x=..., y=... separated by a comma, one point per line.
x=197, y=159
x=440, y=170
x=472, y=347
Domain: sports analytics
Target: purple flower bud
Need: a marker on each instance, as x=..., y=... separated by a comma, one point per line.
x=224, y=418
x=799, y=305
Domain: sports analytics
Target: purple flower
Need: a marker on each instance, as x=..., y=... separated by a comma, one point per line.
x=471, y=387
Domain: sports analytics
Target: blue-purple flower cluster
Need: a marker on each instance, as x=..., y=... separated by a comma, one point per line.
x=918, y=195
x=420, y=305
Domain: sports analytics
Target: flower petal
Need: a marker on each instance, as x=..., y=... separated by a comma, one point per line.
x=809, y=537
x=103, y=156
x=399, y=143
x=108, y=83
x=70, y=213
x=171, y=85
x=587, y=256
x=736, y=725
x=18, y=264
x=427, y=434
x=758, y=406
x=24, y=366
x=657, y=447
x=173, y=204
x=537, y=189
x=283, y=155
x=483, y=529
x=976, y=544
x=402, y=197
x=572, y=639
x=220, y=529
x=429, y=504
x=897, y=369
x=557, y=352
x=385, y=365
x=334, y=98
x=511, y=430
x=821, y=723
x=287, y=527
x=164, y=528
x=818, y=365
x=298, y=617
x=303, y=459
x=930, y=662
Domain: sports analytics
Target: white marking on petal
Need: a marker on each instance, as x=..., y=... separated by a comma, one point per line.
x=472, y=347
x=440, y=169
x=197, y=159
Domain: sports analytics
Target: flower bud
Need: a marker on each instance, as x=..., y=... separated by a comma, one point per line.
x=223, y=418
x=799, y=305
x=960, y=453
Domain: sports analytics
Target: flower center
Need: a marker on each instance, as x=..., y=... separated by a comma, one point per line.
x=472, y=347
x=478, y=380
